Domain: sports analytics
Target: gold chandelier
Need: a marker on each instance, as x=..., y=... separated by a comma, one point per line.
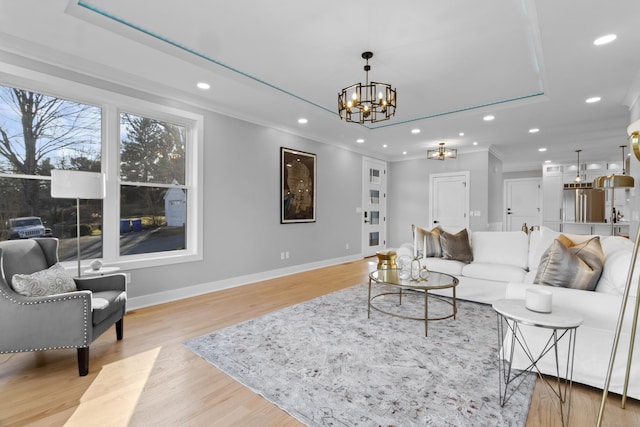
x=371, y=102
x=442, y=153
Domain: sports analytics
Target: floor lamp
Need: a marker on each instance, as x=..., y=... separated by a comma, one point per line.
x=72, y=184
x=634, y=324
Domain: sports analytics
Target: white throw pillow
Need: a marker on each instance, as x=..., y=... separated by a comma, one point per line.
x=54, y=280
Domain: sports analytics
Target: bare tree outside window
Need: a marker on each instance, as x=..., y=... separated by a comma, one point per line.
x=39, y=133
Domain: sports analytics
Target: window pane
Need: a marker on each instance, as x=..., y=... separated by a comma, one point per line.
x=374, y=197
x=44, y=216
x=151, y=150
x=374, y=176
x=40, y=132
x=375, y=217
x=152, y=219
x=374, y=239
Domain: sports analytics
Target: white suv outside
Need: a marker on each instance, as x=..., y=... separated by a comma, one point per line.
x=26, y=227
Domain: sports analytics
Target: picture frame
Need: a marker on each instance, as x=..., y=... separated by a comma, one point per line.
x=297, y=186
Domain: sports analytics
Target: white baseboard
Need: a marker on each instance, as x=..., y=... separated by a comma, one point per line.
x=204, y=288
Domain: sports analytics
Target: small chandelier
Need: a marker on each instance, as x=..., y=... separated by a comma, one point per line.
x=442, y=153
x=372, y=102
x=578, y=178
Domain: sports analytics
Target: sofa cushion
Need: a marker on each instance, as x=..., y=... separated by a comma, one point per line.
x=497, y=272
x=54, y=280
x=427, y=243
x=504, y=247
x=447, y=266
x=456, y=246
x=542, y=240
x=614, y=274
x=106, y=303
x=577, y=267
x=611, y=244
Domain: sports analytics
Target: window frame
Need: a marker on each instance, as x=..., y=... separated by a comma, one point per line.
x=112, y=104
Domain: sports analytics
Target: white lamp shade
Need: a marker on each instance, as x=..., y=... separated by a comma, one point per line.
x=71, y=184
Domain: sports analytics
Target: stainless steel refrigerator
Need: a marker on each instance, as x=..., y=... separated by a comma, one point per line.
x=584, y=204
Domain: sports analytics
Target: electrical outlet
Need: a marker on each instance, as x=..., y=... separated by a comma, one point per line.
x=281, y=255
x=286, y=254
x=347, y=246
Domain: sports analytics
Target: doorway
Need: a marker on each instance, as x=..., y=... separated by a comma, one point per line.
x=449, y=200
x=374, y=202
x=522, y=203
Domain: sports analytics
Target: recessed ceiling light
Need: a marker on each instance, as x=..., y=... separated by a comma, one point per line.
x=414, y=131
x=547, y=161
x=302, y=120
x=384, y=146
x=461, y=134
x=488, y=118
x=475, y=142
x=542, y=149
x=605, y=39
x=593, y=99
x=404, y=153
x=360, y=141
x=534, y=130
x=203, y=86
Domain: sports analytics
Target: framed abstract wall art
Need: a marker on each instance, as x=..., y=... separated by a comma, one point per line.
x=298, y=186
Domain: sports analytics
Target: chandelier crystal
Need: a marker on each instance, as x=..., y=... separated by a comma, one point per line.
x=370, y=102
x=442, y=153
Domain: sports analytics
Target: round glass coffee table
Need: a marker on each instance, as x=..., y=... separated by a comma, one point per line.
x=392, y=278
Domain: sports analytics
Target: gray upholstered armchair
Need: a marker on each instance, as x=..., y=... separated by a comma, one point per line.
x=65, y=320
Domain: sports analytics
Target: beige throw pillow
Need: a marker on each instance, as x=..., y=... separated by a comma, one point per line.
x=577, y=267
x=427, y=243
x=54, y=280
x=456, y=246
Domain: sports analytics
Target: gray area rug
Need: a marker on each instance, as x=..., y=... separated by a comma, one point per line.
x=325, y=363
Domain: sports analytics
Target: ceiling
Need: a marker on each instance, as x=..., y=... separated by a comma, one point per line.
x=531, y=64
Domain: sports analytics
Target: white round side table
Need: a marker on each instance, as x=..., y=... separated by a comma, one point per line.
x=560, y=322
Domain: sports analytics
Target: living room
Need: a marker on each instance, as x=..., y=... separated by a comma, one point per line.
x=235, y=236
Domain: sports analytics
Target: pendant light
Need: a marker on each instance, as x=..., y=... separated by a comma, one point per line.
x=615, y=181
x=578, y=179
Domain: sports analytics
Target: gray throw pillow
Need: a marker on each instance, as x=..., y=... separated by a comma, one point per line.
x=456, y=246
x=54, y=280
x=577, y=267
x=427, y=243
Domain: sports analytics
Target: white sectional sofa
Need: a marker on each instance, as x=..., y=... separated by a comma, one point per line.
x=504, y=266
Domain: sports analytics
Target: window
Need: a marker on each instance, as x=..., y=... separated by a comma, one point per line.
x=39, y=133
x=153, y=195
x=153, y=209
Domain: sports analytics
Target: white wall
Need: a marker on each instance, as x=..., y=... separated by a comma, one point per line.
x=495, y=193
x=242, y=231
x=408, y=189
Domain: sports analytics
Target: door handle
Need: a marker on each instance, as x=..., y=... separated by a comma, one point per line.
x=508, y=211
x=436, y=222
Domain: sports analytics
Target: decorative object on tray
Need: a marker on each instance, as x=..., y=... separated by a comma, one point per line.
x=96, y=265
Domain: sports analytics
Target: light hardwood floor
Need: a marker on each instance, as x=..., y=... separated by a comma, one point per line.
x=150, y=379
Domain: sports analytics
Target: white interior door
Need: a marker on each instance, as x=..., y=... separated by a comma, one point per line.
x=374, y=202
x=449, y=200
x=523, y=203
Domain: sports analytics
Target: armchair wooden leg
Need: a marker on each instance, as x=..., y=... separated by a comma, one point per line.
x=83, y=361
x=119, y=328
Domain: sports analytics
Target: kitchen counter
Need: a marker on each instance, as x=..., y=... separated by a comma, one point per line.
x=601, y=228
